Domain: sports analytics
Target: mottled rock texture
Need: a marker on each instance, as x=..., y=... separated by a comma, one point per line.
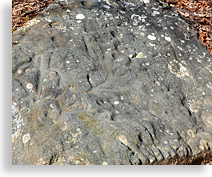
x=109, y=82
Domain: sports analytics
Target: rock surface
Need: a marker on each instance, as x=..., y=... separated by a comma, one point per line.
x=107, y=83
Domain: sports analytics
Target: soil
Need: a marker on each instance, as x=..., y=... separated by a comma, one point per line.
x=199, y=12
x=203, y=158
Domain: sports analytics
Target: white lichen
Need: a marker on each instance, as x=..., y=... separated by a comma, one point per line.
x=145, y=1
x=75, y=136
x=29, y=86
x=154, y=13
x=80, y=16
x=168, y=38
x=193, y=107
x=151, y=37
x=181, y=70
x=106, y=6
x=29, y=24
x=26, y=138
x=141, y=55
x=17, y=122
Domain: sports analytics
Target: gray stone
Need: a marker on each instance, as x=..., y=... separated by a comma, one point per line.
x=109, y=83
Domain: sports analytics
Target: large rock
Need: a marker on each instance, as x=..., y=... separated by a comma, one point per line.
x=109, y=82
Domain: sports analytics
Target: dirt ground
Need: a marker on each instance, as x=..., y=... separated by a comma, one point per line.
x=204, y=158
x=198, y=12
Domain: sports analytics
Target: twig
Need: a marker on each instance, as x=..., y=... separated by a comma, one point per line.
x=29, y=12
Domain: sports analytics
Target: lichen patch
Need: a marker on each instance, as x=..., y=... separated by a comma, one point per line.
x=26, y=138
x=141, y=55
x=29, y=24
x=80, y=16
x=151, y=37
x=17, y=123
x=178, y=69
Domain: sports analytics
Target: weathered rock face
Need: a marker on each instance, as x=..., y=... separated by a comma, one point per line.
x=109, y=82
